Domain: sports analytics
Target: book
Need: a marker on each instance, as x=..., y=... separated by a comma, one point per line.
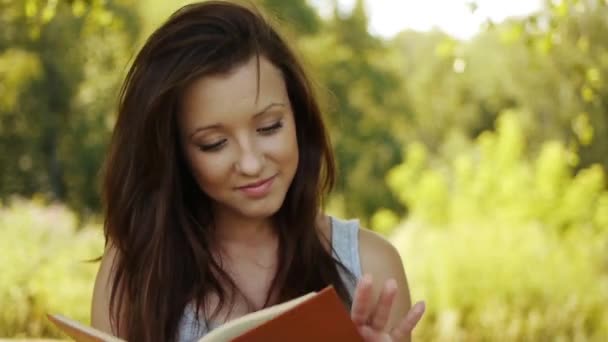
x=80, y=332
x=317, y=316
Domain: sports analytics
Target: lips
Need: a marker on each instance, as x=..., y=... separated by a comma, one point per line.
x=257, y=189
x=256, y=184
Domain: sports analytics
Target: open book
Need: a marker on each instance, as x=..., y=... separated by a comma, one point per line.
x=313, y=317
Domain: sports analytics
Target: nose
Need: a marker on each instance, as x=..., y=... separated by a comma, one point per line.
x=250, y=161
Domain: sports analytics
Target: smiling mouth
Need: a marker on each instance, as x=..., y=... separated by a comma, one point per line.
x=256, y=184
x=257, y=189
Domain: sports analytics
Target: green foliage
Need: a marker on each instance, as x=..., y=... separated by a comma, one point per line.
x=492, y=179
x=552, y=64
x=504, y=282
x=60, y=63
x=44, y=267
x=362, y=99
x=296, y=13
x=503, y=245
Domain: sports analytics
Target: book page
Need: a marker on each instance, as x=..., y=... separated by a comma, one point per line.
x=232, y=329
x=80, y=332
x=242, y=324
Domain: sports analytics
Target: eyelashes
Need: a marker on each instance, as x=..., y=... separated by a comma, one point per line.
x=265, y=131
x=212, y=147
x=270, y=129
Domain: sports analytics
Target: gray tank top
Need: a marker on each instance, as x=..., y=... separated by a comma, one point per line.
x=345, y=243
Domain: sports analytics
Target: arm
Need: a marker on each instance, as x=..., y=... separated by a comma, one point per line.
x=382, y=299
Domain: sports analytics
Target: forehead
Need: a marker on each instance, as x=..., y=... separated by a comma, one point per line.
x=243, y=90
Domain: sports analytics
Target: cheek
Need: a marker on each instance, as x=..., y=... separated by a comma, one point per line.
x=286, y=150
x=209, y=171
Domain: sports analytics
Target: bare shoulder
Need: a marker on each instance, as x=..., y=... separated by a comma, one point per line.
x=100, y=306
x=378, y=255
x=381, y=259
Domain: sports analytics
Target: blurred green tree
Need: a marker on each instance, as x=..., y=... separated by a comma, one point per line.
x=361, y=92
x=551, y=66
x=60, y=62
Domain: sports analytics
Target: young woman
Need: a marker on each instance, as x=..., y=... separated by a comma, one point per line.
x=213, y=191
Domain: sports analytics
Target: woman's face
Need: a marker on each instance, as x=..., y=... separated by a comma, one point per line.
x=240, y=139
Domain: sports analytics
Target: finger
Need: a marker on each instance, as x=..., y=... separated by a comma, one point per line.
x=385, y=303
x=406, y=326
x=362, y=300
x=367, y=333
x=371, y=335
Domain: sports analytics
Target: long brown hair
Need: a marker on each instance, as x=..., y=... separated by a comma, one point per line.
x=156, y=215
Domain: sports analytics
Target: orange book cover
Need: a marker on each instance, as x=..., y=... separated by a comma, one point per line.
x=323, y=317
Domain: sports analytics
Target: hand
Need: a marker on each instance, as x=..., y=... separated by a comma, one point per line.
x=372, y=318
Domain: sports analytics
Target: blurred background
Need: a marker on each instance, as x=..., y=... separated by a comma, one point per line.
x=473, y=134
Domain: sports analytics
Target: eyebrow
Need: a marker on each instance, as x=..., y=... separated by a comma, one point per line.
x=267, y=108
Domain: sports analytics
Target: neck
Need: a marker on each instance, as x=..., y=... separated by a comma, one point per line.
x=245, y=241
x=233, y=230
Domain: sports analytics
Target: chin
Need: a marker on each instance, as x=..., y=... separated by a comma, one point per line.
x=261, y=212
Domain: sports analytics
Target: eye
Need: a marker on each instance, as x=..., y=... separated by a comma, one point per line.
x=270, y=129
x=213, y=147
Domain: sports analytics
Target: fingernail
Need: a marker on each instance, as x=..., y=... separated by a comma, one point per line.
x=391, y=284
